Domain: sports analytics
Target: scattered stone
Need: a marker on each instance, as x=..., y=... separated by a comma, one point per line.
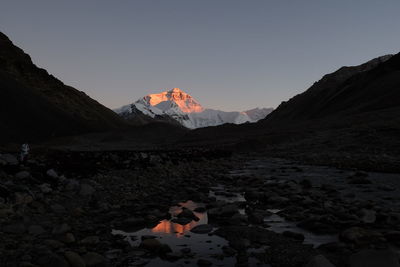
x=45, y=188
x=36, y=230
x=9, y=159
x=374, y=258
x=93, y=259
x=90, y=240
x=61, y=229
x=52, y=173
x=202, y=229
x=74, y=259
x=15, y=228
x=368, y=216
x=22, y=175
x=86, y=190
x=200, y=209
x=68, y=238
x=359, y=235
x=204, y=263
x=293, y=235
x=319, y=261
x=154, y=246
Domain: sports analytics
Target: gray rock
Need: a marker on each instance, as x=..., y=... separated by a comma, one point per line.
x=22, y=175
x=319, y=261
x=45, y=188
x=52, y=260
x=15, y=228
x=293, y=235
x=368, y=216
x=181, y=221
x=36, y=230
x=204, y=263
x=61, y=229
x=9, y=159
x=52, y=173
x=57, y=208
x=74, y=259
x=68, y=238
x=155, y=246
x=359, y=235
x=90, y=240
x=187, y=213
x=86, y=190
x=374, y=258
x=94, y=259
x=202, y=229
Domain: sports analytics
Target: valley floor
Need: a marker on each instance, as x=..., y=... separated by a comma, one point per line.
x=194, y=208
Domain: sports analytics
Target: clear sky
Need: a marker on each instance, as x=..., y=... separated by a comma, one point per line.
x=228, y=54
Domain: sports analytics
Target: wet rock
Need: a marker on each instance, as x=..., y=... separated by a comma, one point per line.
x=133, y=222
x=94, y=259
x=359, y=235
x=86, y=190
x=202, y=229
x=319, y=261
x=393, y=236
x=55, y=244
x=374, y=258
x=293, y=235
x=68, y=238
x=181, y=221
x=187, y=213
x=45, y=188
x=52, y=174
x=173, y=256
x=74, y=259
x=204, y=263
x=61, y=229
x=90, y=240
x=57, y=208
x=9, y=159
x=200, y=209
x=113, y=254
x=278, y=200
x=22, y=175
x=52, y=260
x=154, y=246
x=15, y=228
x=368, y=216
x=228, y=251
x=36, y=230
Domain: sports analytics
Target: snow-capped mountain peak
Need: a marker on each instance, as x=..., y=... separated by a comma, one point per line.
x=183, y=108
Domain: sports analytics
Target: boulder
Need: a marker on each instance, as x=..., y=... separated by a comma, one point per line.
x=74, y=259
x=374, y=258
x=202, y=229
x=319, y=261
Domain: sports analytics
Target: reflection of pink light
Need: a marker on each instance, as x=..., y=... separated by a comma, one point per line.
x=169, y=227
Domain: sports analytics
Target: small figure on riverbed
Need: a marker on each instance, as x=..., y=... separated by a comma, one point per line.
x=24, y=152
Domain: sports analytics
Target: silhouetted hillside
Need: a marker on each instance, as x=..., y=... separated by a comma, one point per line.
x=36, y=105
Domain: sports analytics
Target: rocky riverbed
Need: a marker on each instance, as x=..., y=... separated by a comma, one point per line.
x=193, y=208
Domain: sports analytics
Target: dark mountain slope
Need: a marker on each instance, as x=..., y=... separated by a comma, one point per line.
x=35, y=105
x=346, y=92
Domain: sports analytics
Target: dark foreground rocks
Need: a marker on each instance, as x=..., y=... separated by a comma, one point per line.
x=61, y=210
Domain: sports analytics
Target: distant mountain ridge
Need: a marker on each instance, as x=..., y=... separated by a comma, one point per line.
x=176, y=105
x=35, y=105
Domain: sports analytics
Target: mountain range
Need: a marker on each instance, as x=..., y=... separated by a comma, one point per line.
x=177, y=106
x=354, y=109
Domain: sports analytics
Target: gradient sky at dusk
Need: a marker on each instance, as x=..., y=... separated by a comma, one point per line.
x=228, y=54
